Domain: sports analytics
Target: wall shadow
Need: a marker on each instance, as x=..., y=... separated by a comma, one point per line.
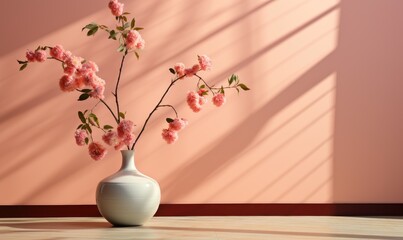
x=201, y=167
x=368, y=132
x=36, y=22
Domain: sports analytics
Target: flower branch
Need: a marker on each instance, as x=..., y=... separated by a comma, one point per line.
x=81, y=75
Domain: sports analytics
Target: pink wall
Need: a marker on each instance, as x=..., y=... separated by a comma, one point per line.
x=321, y=124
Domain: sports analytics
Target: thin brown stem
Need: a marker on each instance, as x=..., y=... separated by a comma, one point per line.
x=110, y=110
x=155, y=109
x=117, y=87
x=211, y=88
x=167, y=105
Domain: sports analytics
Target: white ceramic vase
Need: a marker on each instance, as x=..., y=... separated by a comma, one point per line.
x=128, y=197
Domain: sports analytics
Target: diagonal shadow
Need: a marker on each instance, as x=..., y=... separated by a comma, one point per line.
x=36, y=23
x=187, y=178
x=283, y=125
x=285, y=233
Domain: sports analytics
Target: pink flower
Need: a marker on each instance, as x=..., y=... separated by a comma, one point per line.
x=74, y=61
x=98, y=92
x=88, y=67
x=116, y=7
x=40, y=55
x=189, y=72
x=79, y=82
x=92, y=80
x=178, y=124
x=180, y=69
x=125, y=131
x=134, y=40
x=67, y=83
x=169, y=136
x=30, y=56
x=57, y=52
x=111, y=138
x=195, y=68
x=219, y=99
x=97, y=151
x=69, y=70
x=66, y=55
x=80, y=136
x=202, y=100
x=205, y=62
x=141, y=44
x=193, y=100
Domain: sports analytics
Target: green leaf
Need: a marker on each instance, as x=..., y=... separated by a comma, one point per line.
x=23, y=66
x=202, y=86
x=120, y=28
x=138, y=28
x=90, y=26
x=86, y=140
x=172, y=70
x=91, y=122
x=232, y=79
x=107, y=127
x=133, y=23
x=126, y=24
x=88, y=128
x=112, y=34
x=22, y=62
x=243, y=86
x=169, y=120
x=92, y=31
x=137, y=55
x=95, y=118
x=83, y=97
x=79, y=126
x=120, y=48
x=122, y=115
x=81, y=116
x=222, y=90
x=85, y=90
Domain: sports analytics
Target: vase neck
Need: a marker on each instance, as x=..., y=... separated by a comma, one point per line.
x=128, y=160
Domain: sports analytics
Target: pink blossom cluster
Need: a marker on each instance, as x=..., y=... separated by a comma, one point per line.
x=116, y=7
x=97, y=151
x=134, y=40
x=170, y=134
x=122, y=136
x=219, y=99
x=196, y=100
x=36, y=56
x=80, y=136
x=78, y=74
x=204, y=64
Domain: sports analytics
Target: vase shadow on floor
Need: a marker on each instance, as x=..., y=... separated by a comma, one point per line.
x=56, y=225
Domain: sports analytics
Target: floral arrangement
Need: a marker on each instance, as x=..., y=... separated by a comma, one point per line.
x=81, y=75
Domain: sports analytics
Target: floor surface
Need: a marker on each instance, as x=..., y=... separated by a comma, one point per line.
x=206, y=228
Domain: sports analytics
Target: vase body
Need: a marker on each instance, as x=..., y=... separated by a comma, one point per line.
x=128, y=197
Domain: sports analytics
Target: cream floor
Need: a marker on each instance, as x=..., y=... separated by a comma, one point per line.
x=234, y=228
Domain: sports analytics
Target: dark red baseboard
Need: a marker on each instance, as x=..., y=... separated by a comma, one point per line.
x=291, y=209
